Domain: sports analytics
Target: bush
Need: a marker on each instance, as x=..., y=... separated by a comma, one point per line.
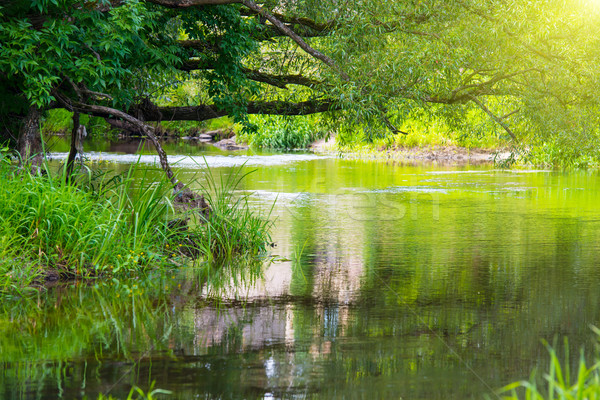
x=286, y=133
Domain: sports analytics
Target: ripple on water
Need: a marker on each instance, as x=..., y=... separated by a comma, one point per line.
x=407, y=189
x=197, y=161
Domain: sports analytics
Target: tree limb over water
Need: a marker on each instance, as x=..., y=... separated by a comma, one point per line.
x=370, y=64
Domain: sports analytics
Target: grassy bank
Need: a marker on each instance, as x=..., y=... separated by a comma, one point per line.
x=101, y=226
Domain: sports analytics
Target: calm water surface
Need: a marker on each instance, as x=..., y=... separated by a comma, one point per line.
x=390, y=281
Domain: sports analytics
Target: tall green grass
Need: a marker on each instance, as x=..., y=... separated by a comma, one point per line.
x=559, y=383
x=51, y=228
x=232, y=227
x=105, y=226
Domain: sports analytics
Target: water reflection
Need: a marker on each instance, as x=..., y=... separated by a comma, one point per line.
x=411, y=282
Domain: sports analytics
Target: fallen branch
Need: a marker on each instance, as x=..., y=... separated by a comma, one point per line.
x=182, y=193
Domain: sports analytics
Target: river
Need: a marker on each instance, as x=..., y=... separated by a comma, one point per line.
x=387, y=281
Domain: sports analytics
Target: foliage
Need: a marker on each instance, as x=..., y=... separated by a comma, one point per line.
x=521, y=71
x=61, y=121
x=57, y=121
x=126, y=51
x=465, y=64
x=109, y=226
x=558, y=383
x=192, y=128
x=286, y=133
x=99, y=49
x=577, y=151
x=422, y=132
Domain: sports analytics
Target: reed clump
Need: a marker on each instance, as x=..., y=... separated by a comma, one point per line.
x=96, y=225
x=560, y=382
x=231, y=227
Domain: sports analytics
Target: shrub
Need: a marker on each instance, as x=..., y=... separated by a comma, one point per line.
x=276, y=132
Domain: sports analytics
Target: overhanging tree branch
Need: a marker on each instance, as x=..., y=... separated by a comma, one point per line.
x=309, y=23
x=183, y=193
x=499, y=120
x=280, y=81
x=485, y=86
x=202, y=112
x=93, y=109
x=296, y=38
x=206, y=112
x=192, y=3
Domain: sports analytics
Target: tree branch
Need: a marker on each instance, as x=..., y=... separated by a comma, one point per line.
x=498, y=120
x=200, y=45
x=183, y=194
x=270, y=32
x=192, y=3
x=79, y=107
x=280, y=81
x=206, y=112
x=198, y=113
x=510, y=113
x=392, y=127
x=480, y=87
x=295, y=37
x=314, y=25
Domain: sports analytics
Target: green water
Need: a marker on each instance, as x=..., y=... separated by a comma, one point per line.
x=412, y=282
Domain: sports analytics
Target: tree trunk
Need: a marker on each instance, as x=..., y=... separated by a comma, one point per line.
x=30, y=139
x=73, y=149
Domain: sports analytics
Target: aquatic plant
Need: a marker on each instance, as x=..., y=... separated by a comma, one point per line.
x=232, y=227
x=559, y=383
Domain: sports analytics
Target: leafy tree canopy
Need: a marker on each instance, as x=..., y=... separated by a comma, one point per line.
x=527, y=67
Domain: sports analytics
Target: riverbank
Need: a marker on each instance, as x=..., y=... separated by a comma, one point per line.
x=440, y=154
x=427, y=147
x=103, y=225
